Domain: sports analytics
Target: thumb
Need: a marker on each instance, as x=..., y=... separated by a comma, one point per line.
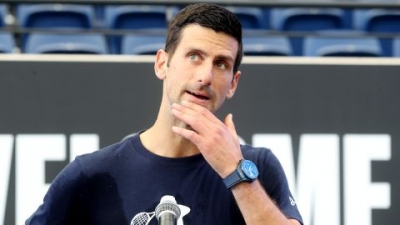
x=229, y=123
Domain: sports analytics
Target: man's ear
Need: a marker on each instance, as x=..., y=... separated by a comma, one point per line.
x=234, y=84
x=160, y=65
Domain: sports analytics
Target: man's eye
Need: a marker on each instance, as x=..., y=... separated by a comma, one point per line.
x=193, y=57
x=221, y=65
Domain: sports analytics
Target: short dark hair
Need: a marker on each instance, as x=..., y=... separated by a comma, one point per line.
x=207, y=15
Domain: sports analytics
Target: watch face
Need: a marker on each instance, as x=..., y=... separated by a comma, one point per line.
x=250, y=169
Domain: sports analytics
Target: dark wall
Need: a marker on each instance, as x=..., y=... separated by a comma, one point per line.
x=113, y=99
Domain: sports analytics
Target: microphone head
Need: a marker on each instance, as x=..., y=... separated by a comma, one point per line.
x=168, y=205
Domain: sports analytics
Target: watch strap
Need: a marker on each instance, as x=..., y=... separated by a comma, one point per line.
x=232, y=179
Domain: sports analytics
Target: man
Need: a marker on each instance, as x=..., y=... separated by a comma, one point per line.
x=188, y=153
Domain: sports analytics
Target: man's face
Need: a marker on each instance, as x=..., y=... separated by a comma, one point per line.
x=201, y=69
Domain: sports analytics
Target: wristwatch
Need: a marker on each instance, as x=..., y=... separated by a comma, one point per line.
x=246, y=171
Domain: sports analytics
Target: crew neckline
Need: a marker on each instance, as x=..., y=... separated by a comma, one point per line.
x=187, y=162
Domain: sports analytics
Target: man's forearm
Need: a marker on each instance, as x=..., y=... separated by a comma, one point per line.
x=257, y=207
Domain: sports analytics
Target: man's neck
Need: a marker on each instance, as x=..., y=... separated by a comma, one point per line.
x=162, y=141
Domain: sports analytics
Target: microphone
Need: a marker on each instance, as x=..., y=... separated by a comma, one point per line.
x=167, y=211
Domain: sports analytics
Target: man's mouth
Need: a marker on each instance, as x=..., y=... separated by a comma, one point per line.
x=198, y=96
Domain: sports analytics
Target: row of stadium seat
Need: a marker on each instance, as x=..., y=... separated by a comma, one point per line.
x=146, y=16
x=142, y=44
x=356, y=23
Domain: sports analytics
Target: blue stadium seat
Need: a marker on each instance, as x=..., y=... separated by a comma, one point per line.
x=3, y=13
x=325, y=45
x=377, y=20
x=301, y=19
x=266, y=45
x=251, y=17
x=7, y=43
x=307, y=19
x=396, y=47
x=55, y=16
x=135, y=17
x=66, y=44
x=142, y=44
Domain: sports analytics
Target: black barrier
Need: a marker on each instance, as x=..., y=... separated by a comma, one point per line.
x=347, y=100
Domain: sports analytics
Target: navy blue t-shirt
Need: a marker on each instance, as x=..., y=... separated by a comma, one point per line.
x=112, y=185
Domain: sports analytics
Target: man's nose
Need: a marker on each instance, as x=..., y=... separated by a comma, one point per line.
x=205, y=75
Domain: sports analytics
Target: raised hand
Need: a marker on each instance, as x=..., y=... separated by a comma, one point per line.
x=217, y=141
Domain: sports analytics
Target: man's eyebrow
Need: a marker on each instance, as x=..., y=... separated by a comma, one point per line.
x=198, y=50
x=225, y=57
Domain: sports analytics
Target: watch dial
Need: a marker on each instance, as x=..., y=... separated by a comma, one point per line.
x=250, y=169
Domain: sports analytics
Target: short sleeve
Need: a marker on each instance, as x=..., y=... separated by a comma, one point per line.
x=65, y=199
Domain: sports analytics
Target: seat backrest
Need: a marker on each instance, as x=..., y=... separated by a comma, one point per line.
x=326, y=45
x=377, y=20
x=142, y=44
x=66, y=44
x=266, y=45
x=135, y=16
x=55, y=16
x=7, y=42
x=306, y=19
x=251, y=17
x=396, y=47
x=3, y=13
